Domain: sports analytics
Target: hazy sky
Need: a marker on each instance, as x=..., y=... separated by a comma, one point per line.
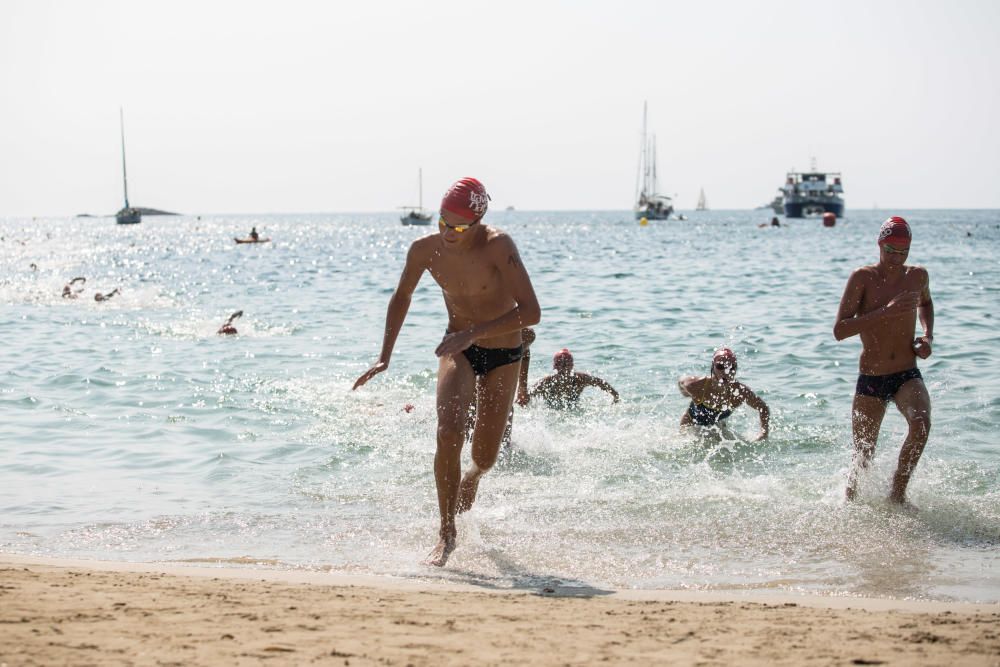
x=333, y=106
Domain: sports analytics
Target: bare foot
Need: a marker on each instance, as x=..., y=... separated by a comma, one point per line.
x=467, y=493
x=439, y=555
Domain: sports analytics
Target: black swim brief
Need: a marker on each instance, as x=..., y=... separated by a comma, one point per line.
x=884, y=387
x=702, y=415
x=485, y=359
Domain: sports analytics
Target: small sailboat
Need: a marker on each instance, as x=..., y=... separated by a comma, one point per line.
x=128, y=215
x=650, y=204
x=416, y=215
x=702, y=206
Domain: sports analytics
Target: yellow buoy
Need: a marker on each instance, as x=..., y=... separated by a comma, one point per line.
x=643, y=222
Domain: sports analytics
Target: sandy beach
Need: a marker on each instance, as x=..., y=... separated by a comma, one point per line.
x=97, y=613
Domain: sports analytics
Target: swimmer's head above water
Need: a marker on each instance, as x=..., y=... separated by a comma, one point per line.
x=895, y=231
x=562, y=360
x=724, y=363
x=467, y=199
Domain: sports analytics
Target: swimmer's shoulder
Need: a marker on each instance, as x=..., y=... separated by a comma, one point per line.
x=866, y=273
x=695, y=385
x=423, y=249
x=862, y=277
x=497, y=240
x=918, y=274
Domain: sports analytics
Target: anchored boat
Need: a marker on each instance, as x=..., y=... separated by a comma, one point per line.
x=813, y=193
x=416, y=215
x=128, y=215
x=650, y=203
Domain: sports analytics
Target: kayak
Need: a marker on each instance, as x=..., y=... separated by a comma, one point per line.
x=251, y=240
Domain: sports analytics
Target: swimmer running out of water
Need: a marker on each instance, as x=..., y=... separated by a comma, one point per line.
x=489, y=299
x=882, y=303
x=562, y=389
x=715, y=396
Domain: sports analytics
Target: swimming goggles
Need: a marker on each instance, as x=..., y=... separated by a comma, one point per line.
x=460, y=229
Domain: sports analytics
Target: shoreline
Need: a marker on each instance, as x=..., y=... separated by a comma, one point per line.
x=58, y=611
x=245, y=570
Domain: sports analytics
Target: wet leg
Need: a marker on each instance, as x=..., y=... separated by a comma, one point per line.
x=494, y=398
x=867, y=413
x=455, y=393
x=914, y=403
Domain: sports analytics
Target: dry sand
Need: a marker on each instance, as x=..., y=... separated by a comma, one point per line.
x=92, y=613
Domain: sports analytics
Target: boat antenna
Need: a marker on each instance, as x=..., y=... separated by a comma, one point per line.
x=420, y=182
x=121, y=118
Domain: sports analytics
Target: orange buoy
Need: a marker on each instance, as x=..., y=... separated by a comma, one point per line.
x=829, y=219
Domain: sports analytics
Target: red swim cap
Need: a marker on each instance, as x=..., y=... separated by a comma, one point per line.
x=895, y=231
x=561, y=358
x=725, y=355
x=466, y=198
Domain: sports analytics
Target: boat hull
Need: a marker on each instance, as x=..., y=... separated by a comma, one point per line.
x=654, y=213
x=813, y=208
x=130, y=217
x=415, y=220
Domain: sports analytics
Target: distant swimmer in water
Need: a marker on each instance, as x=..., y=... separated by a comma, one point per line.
x=562, y=389
x=715, y=396
x=69, y=292
x=104, y=297
x=228, y=329
x=882, y=303
x=489, y=300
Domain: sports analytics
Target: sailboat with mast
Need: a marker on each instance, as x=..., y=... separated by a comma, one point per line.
x=128, y=215
x=650, y=203
x=416, y=215
x=702, y=204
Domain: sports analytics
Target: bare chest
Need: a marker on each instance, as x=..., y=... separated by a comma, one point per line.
x=879, y=292
x=465, y=276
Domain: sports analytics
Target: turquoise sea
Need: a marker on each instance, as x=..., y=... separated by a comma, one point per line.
x=131, y=431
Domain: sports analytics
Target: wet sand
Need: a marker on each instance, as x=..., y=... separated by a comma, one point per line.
x=55, y=612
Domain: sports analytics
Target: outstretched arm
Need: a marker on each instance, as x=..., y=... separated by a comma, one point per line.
x=399, y=305
x=542, y=387
x=594, y=381
x=760, y=406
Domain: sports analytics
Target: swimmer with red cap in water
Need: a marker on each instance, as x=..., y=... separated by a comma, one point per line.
x=882, y=303
x=716, y=395
x=227, y=329
x=70, y=291
x=489, y=299
x=562, y=389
